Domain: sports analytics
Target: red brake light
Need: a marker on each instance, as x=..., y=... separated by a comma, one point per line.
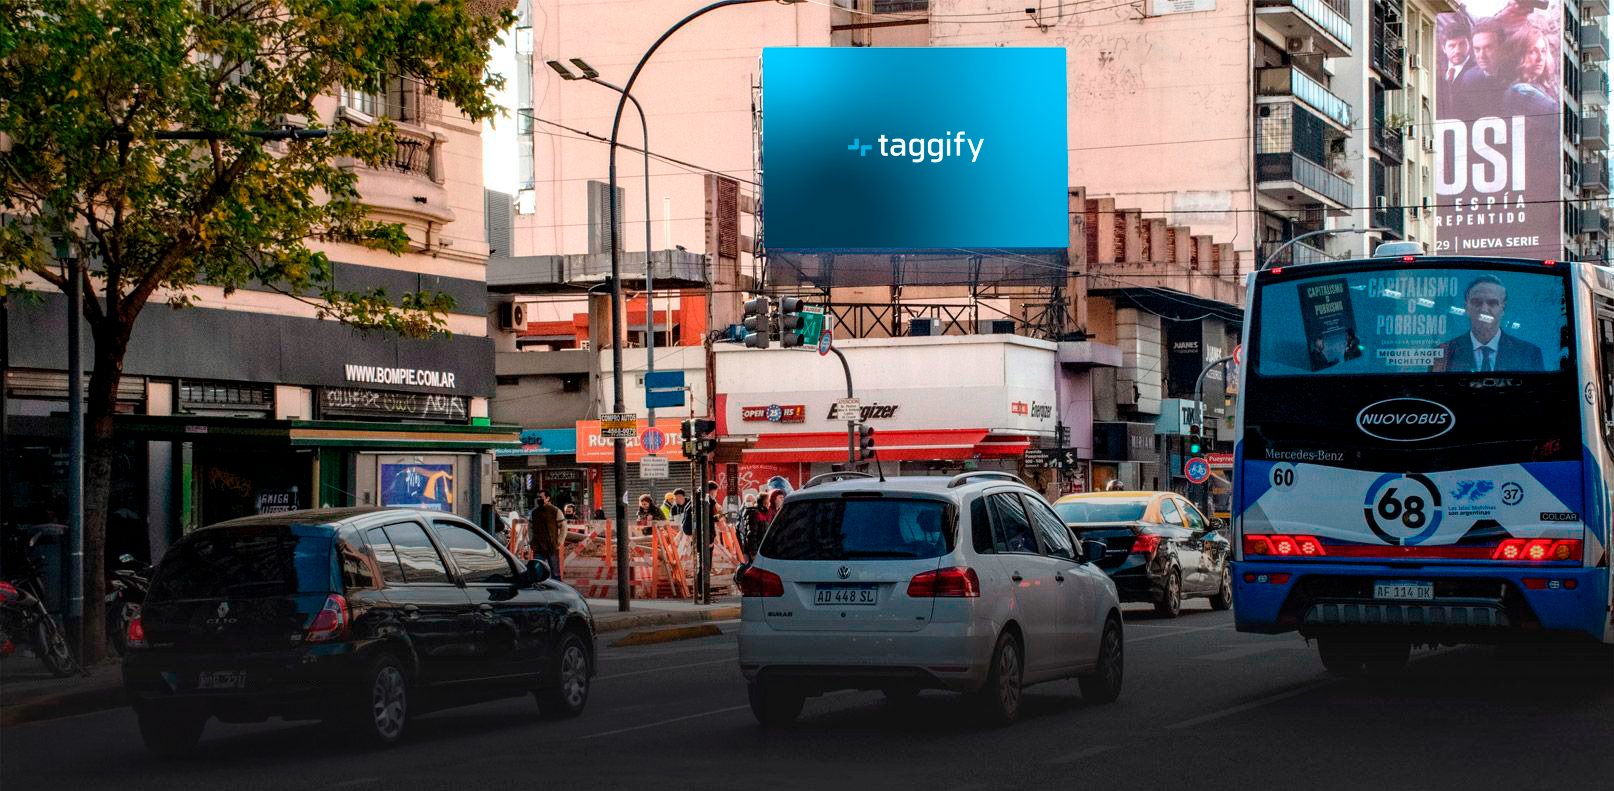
x=956, y=582
x=757, y=582
x=1541, y=549
x=1537, y=549
x=1548, y=262
x=1257, y=545
x=1145, y=544
x=1283, y=545
x=1407, y=259
x=332, y=621
x=1310, y=546
x=136, y=635
x=1299, y=546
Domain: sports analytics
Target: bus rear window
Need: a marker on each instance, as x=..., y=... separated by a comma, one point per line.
x=1401, y=321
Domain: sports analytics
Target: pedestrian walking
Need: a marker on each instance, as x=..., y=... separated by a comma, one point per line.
x=548, y=531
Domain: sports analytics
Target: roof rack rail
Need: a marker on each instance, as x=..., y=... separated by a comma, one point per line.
x=961, y=479
x=831, y=477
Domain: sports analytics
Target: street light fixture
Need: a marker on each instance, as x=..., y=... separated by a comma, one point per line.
x=1326, y=231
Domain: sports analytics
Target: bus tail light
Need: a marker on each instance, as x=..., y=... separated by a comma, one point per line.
x=1289, y=546
x=1538, y=549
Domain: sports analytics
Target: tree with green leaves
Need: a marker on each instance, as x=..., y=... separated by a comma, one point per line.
x=91, y=92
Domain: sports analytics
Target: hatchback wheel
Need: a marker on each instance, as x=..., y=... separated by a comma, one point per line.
x=1223, y=600
x=775, y=704
x=999, y=699
x=379, y=712
x=1170, y=604
x=1103, y=685
x=170, y=733
x=565, y=691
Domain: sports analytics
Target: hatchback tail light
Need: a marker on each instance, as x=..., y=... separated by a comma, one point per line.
x=136, y=634
x=331, y=623
x=1538, y=549
x=1146, y=544
x=956, y=582
x=760, y=582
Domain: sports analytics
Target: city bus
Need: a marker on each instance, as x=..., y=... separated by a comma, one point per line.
x=1425, y=454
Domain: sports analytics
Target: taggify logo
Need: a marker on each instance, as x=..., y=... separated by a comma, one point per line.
x=920, y=149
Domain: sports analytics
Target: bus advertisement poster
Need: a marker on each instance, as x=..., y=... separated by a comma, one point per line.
x=1330, y=323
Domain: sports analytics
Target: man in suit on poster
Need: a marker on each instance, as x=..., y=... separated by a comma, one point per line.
x=1485, y=347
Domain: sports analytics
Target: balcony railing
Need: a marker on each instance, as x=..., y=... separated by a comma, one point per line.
x=1594, y=131
x=1302, y=252
x=1594, y=175
x=1593, y=42
x=1387, y=140
x=1388, y=56
x=1391, y=217
x=1592, y=221
x=1333, y=16
x=1594, y=85
x=1306, y=173
x=1296, y=83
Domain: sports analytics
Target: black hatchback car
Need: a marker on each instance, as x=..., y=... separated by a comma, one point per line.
x=359, y=617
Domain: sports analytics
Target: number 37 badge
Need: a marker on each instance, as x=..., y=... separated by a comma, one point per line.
x=1403, y=510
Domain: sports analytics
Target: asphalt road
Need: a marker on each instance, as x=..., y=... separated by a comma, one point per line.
x=1203, y=707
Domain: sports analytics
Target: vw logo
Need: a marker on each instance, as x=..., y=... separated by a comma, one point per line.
x=845, y=572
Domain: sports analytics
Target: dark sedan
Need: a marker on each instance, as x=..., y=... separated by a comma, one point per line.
x=1159, y=547
x=359, y=617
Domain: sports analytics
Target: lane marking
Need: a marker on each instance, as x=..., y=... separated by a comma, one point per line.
x=1131, y=640
x=357, y=782
x=1243, y=707
x=1078, y=755
x=665, y=668
x=663, y=722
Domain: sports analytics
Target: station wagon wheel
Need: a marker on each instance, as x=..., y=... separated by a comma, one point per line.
x=565, y=689
x=1000, y=698
x=1103, y=685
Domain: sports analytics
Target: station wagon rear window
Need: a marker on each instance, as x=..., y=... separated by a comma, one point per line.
x=861, y=529
x=247, y=561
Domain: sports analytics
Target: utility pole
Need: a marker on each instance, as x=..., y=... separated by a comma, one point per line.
x=75, y=449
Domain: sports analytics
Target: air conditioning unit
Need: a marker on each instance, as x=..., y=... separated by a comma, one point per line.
x=924, y=326
x=1428, y=143
x=1380, y=202
x=512, y=316
x=1304, y=45
x=997, y=327
x=1415, y=61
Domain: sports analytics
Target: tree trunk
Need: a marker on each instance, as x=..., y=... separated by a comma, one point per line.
x=100, y=451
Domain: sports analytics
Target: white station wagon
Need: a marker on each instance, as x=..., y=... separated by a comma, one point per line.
x=968, y=583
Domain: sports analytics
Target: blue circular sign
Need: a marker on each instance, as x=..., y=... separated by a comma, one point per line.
x=1197, y=469
x=652, y=440
x=775, y=414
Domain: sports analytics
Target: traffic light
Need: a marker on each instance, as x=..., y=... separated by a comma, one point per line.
x=790, y=322
x=705, y=435
x=1196, y=444
x=687, y=430
x=756, y=323
x=865, y=441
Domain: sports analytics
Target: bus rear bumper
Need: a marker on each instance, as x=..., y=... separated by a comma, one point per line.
x=1470, y=604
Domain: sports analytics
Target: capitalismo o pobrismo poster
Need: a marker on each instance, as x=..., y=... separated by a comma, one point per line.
x=1499, y=109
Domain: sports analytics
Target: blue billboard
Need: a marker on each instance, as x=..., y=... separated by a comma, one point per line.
x=901, y=149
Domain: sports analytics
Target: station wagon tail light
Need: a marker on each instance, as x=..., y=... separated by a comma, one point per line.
x=332, y=621
x=957, y=582
x=1146, y=544
x=1289, y=546
x=1538, y=549
x=136, y=635
x=760, y=582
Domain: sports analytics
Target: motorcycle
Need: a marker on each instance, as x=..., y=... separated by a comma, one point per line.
x=23, y=615
x=126, y=593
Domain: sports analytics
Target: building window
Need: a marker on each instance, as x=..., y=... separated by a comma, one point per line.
x=507, y=381
x=399, y=100
x=225, y=395
x=571, y=384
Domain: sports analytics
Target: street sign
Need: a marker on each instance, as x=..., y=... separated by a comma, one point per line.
x=653, y=467
x=1219, y=459
x=849, y=409
x=619, y=425
x=1197, y=469
x=812, y=328
x=652, y=440
x=826, y=341
x=1036, y=457
x=663, y=389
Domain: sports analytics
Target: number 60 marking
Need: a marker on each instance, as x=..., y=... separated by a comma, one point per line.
x=1283, y=476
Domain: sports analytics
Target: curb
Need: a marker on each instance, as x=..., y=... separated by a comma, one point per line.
x=653, y=636
x=69, y=704
x=615, y=622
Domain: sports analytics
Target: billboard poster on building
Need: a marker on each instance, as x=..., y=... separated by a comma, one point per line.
x=1499, y=112
x=429, y=486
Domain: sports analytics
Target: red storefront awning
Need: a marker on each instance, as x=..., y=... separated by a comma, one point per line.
x=1001, y=446
x=935, y=445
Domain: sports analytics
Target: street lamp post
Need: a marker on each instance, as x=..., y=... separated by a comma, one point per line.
x=1326, y=231
x=589, y=74
x=621, y=458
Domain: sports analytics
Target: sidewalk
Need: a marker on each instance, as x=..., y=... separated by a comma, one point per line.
x=29, y=693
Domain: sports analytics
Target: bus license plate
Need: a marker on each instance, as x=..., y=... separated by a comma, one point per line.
x=845, y=595
x=1406, y=591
